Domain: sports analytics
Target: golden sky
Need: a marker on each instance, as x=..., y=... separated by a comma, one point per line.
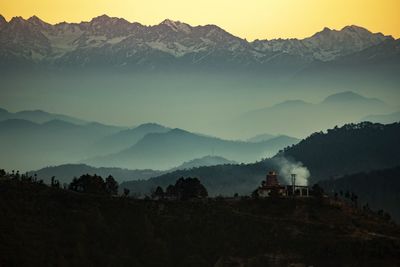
x=249, y=19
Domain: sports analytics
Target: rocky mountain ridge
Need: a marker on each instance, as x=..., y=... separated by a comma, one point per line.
x=116, y=42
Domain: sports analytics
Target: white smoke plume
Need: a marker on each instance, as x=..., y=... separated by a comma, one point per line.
x=288, y=167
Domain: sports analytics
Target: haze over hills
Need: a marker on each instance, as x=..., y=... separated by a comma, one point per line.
x=261, y=137
x=383, y=118
x=123, y=139
x=56, y=142
x=62, y=142
x=32, y=145
x=300, y=118
x=167, y=150
x=38, y=116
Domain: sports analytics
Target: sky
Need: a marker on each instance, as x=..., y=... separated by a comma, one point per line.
x=251, y=19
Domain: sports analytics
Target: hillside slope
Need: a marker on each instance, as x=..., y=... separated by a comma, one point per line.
x=71, y=229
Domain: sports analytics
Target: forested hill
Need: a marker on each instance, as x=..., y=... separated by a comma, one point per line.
x=349, y=149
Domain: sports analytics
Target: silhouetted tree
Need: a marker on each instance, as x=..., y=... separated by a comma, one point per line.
x=189, y=188
x=111, y=185
x=54, y=182
x=158, y=193
x=126, y=192
x=88, y=184
x=354, y=199
x=73, y=186
x=2, y=172
x=170, y=191
x=255, y=194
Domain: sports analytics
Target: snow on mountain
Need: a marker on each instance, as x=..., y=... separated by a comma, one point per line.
x=115, y=41
x=327, y=44
x=177, y=26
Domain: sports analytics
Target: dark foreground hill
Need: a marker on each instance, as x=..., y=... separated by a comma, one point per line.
x=43, y=226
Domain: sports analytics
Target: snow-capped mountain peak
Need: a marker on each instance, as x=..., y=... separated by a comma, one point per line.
x=177, y=26
x=117, y=42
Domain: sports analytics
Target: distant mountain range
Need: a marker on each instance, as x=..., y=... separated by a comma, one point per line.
x=38, y=116
x=261, y=137
x=38, y=139
x=31, y=145
x=300, y=118
x=383, y=118
x=57, y=139
x=123, y=139
x=166, y=150
x=115, y=42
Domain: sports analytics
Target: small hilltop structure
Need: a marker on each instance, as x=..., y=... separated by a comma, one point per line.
x=270, y=187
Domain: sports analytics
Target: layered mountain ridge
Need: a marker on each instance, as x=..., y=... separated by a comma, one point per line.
x=116, y=42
